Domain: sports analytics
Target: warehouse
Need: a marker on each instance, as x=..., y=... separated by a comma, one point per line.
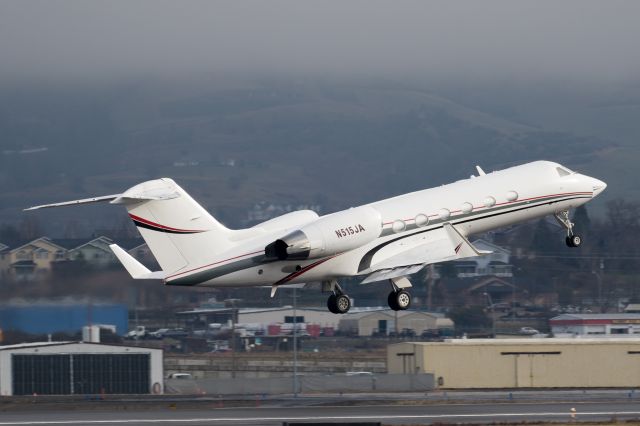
x=383, y=322
x=521, y=363
x=64, y=368
x=65, y=317
x=595, y=325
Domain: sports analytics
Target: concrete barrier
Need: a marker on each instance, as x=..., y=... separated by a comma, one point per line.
x=306, y=384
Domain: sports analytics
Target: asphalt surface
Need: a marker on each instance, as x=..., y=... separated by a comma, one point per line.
x=452, y=412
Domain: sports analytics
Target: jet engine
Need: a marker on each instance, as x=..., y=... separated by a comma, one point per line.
x=331, y=234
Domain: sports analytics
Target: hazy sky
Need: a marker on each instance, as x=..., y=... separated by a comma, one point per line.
x=64, y=39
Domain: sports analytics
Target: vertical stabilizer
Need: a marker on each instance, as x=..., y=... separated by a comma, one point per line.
x=179, y=232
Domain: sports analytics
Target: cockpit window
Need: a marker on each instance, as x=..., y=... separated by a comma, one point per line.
x=562, y=171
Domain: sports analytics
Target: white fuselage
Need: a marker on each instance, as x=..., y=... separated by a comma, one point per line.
x=473, y=206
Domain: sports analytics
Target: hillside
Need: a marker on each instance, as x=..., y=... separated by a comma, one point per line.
x=307, y=142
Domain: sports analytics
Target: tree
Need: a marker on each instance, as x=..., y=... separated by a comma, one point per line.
x=544, y=240
x=470, y=319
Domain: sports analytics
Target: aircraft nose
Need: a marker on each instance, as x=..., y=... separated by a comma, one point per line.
x=597, y=186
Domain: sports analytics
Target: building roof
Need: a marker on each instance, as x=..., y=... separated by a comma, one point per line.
x=405, y=313
x=613, y=316
x=66, y=343
x=362, y=314
x=528, y=341
x=45, y=239
x=77, y=243
x=32, y=345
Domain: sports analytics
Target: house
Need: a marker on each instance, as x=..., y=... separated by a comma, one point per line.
x=478, y=291
x=95, y=252
x=34, y=258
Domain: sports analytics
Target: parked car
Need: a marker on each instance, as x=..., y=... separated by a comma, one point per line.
x=137, y=333
x=175, y=333
x=359, y=373
x=180, y=376
x=529, y=331
x=159, y=333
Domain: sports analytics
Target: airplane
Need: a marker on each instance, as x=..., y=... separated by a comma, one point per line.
x=386, y=240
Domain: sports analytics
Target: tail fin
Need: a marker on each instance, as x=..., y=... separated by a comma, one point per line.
x=178, y=231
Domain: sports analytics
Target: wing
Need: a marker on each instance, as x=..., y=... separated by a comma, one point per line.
x=449, y=244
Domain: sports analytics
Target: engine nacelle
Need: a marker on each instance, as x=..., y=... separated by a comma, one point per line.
x=328, y=235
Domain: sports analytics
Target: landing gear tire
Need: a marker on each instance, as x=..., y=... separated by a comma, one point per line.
x=399, y=300
x=391, y=300
x=331, y=304
x=339, y=303
x=574, y=240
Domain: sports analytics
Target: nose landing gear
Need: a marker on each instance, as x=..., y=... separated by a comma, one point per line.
x=572, y=240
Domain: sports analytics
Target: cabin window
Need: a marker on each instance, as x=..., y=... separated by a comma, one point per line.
x=422, y=220
x=489, y=202
x=398, y=226
x=444, y=214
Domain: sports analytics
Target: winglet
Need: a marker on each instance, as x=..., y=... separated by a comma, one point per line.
x=136, y=269
x=463, y=247
x=480, y=171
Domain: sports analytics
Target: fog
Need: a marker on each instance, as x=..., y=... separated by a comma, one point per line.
x=80, y=41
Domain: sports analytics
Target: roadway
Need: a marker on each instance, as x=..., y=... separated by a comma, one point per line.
x=479, y=413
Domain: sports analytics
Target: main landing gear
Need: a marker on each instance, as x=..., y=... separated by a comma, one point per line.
x=572, y=240
x=338, y=302
x=399, y=299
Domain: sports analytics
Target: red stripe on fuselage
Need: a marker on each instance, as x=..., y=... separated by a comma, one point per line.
x=502, y=204
x=157, y=225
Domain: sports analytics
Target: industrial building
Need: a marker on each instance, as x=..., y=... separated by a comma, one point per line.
x=383, y=322
x=595, y=325
x=521, y=363
x=67, y=368
x=65, y=316
x=285, y=314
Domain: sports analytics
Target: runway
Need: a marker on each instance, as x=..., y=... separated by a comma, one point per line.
x=387, y=414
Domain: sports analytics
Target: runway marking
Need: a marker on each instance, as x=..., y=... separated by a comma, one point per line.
x=303, y=418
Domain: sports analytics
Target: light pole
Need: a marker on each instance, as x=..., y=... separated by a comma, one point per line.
x=295, y=343
x=493, y=314
x=599, y=277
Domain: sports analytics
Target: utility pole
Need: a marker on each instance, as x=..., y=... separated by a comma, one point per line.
x=430, y=279
x=295, y=343
x=234, y=348
x=493, y=315
x=599, y=277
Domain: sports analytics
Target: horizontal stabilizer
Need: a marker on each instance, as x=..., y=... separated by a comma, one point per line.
x=76, y=202
x=113, y=199
x=136, y=269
